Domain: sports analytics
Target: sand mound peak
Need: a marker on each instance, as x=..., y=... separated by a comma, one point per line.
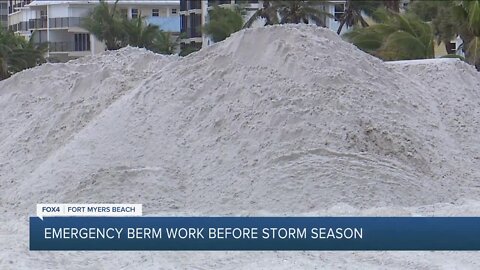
x=290, y=49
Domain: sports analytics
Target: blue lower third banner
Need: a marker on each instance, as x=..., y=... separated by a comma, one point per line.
x=255, y=233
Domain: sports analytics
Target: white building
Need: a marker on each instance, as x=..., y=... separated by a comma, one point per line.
x=4, y=13
x=59, y=23
x=194, y=16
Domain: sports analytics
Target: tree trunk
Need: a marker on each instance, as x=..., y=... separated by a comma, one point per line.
x=344, y=17
x=339, y=31
x=466, y=37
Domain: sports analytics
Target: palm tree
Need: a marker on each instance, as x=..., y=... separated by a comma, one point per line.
x=148, y=36
x=355, y=9
x=165, y=43
x=392, y=5
x=27, y=55
x=441, y=16
x=5, y=52
x=106, y=24
x=267, y=12
x=395, y=37
x=428, y=10
x=301, y=11
x=467, y=14
x=117, y=31
x=451, y=19
x=17, y=54
x=353, y=14
x=223, y=22
x=138, y=33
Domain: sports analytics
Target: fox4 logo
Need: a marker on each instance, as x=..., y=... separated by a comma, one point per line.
x=51, y=209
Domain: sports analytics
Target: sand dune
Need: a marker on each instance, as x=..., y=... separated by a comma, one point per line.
x=282, y=120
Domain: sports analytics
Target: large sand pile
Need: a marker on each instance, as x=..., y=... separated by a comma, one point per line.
x=284, y=120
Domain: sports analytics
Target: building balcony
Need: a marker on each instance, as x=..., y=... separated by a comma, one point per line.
x=37, y=23
x=190, y=5
x=66, y=22
x=54, y=23
x=68, y=47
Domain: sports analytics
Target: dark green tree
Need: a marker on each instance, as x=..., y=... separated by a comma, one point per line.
x=267, y=12
x=450, y=19
x=17, y=54
x=117, y=31
x=467, y=13
x=395, y=37
x=106, y=24
x=392, y=5
x=139, y=34
x=301, y=12
x=441, y=16
x=354, y=12
x=165, y=43
x=282, y=12
x=223, y=22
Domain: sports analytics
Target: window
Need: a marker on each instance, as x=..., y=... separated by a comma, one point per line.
x=174, y=11
x=3, y=9
x=134, y=13
x=196, y=25
x=82, y=42
x=339, y=10
x=183, y=24
x=195, y=4
x=155, y=12
x=451, y=47
x=183, y=5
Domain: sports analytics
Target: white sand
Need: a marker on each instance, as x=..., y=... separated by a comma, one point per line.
x=284, y=120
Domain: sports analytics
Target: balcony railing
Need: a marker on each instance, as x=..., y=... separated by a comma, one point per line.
x=37, y=23
x=68, y=47
x=55, y=22
x=61, y=46
x=22, y=26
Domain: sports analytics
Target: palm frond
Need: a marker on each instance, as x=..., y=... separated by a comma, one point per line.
x=255, y=16
x=399, y=37
x=402, y=45
x=474, y=51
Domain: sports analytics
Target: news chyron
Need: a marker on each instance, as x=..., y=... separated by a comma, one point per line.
x=124, y=227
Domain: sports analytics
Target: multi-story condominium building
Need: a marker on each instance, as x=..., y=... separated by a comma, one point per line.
x=194, y=15
x=4, y=13
x=59, y=23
